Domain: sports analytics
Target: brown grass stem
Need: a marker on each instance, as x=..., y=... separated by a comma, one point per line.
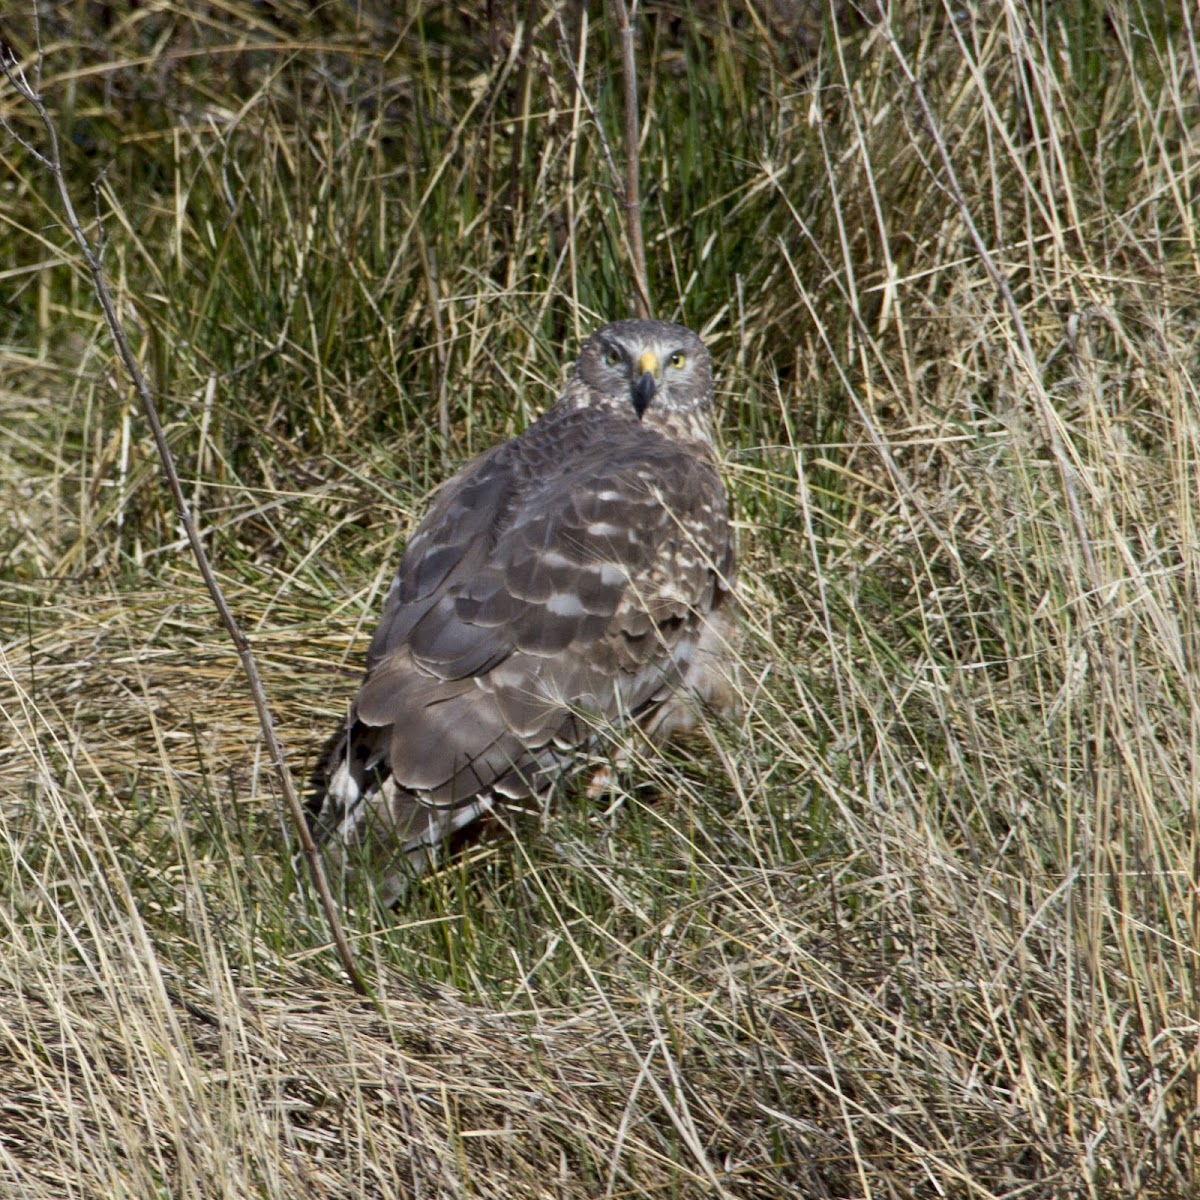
x=632, y=199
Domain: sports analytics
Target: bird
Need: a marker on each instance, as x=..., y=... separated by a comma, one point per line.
x=578, y=576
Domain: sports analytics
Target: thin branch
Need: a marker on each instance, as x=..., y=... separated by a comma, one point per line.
x=633, y=192
x=516, y=204
x=568, y=55
x=52, y=162
x=440, y=348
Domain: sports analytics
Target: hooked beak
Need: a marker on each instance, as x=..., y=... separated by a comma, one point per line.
x=645, y=387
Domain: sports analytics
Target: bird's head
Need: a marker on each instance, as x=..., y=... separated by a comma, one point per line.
x=661, y=371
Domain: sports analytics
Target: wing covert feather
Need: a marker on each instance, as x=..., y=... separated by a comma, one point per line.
x=566, y=595
x=574, y=575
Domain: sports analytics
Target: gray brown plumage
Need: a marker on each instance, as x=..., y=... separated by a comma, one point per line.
x=577, y=574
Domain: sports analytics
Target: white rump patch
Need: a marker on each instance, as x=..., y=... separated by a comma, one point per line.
x=604, y=529
x=343, y=787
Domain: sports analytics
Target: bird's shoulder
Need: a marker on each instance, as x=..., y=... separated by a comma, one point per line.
x=580, y=503
x=569, y=453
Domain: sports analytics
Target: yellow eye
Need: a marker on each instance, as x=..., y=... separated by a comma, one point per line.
x=677, y=359
x=612, y=357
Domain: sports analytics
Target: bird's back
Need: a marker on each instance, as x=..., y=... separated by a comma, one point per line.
x=574, y=575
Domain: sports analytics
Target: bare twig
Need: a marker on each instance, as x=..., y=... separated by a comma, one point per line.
x=577, y=62
x=633, y=194
x=520, y=134
x=568, y=54
x=440, y=347
x=52, y=162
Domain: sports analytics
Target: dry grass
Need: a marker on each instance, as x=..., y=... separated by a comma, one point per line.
x=924, y=923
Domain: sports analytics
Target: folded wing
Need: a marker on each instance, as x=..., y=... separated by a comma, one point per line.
x=529, y=603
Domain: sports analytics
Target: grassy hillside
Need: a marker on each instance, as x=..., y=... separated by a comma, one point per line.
x=923, y=920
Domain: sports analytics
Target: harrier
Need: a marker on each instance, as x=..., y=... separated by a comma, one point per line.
x=577, y=575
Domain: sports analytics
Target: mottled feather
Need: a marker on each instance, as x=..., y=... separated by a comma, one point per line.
x=577, y=574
